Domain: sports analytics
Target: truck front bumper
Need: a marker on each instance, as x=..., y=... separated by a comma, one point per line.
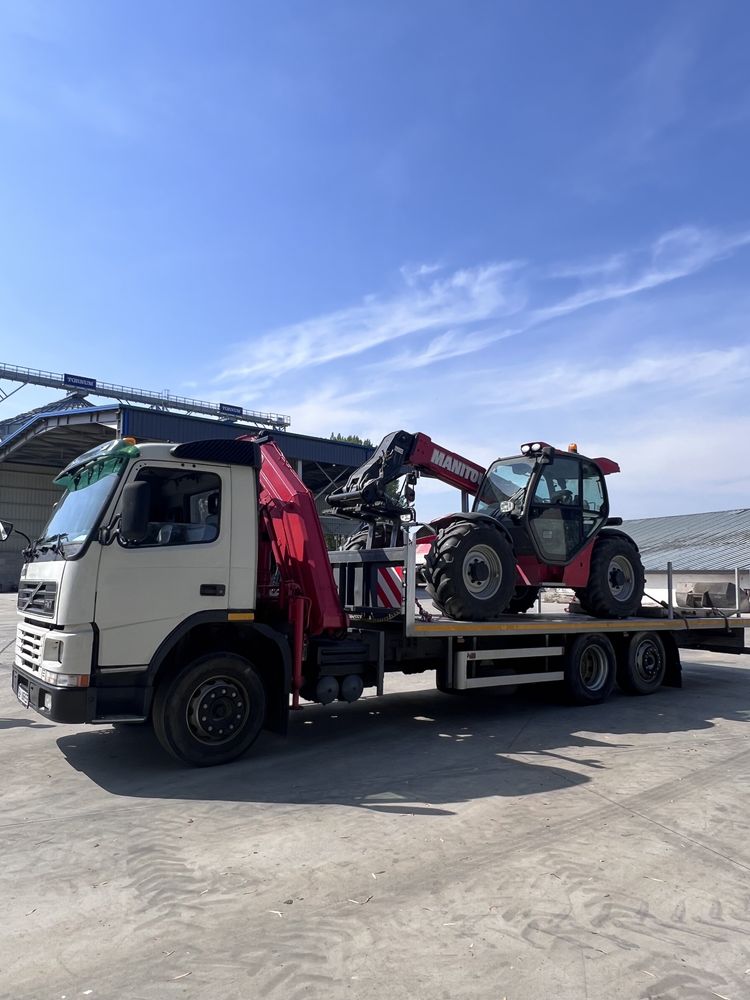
x=119, y=695
x=56, y=704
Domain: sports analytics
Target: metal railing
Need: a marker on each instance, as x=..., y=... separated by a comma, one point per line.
x=123, y=393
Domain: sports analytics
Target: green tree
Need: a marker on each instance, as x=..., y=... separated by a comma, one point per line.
x=352, y=439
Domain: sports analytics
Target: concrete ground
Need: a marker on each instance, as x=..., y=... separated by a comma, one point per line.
x=414, y=846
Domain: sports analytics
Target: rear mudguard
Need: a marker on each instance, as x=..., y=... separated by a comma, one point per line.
x=576, y=572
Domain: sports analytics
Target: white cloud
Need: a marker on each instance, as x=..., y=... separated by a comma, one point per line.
x=451, y=344
x=469, y=309
x=412, y=273
x=678, y=253
x=681, y=463
x=465, y=297
x=688, y=371
x=592, y=269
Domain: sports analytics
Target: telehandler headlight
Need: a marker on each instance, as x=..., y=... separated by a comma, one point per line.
x=533, y=447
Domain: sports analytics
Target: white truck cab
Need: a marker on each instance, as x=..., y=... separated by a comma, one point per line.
x=102, y=600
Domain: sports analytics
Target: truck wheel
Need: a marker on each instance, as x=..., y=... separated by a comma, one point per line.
x=643, y=670
x=523, y=599
x=590, y=668
x=210, y=712
x=616, y=579
x=470, y=571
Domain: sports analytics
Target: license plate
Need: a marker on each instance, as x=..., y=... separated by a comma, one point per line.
x=23, y=694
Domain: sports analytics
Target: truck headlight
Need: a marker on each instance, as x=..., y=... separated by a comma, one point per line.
x=64, y=680
x=53, y=650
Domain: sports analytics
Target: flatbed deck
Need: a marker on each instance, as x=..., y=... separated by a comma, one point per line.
x=564, y=622
x=414, y=611
x=421, y=617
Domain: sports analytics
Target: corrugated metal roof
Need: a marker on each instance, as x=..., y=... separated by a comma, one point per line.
x=716, y=541
x=73, y=401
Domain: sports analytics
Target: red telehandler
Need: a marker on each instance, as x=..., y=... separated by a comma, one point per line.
x=540, y=518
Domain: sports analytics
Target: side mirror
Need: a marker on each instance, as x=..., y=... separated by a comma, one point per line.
x=136, y=501
x=6, y=528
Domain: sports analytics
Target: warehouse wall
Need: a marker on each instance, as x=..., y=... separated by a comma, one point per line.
x=26, y=499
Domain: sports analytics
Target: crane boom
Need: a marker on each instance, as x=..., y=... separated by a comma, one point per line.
x=399, y=454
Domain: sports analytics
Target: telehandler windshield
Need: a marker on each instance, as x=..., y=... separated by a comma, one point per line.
x=506, y=479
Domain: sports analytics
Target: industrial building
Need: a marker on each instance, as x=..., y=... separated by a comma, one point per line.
x=35, y=445
x=711, y=549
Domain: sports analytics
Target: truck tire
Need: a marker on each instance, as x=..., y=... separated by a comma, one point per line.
x=643, y=670
x=210, y=712
x=523, y=599
x=590, y=669
x=470, y=571
x=616, y=579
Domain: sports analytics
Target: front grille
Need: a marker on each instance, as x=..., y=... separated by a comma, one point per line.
x=37, y=597
x=29, y=643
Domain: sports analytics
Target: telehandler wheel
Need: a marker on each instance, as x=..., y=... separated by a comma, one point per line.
x=470, y=571
x=523, y=599
x=590, y=667
x=210, y=712
x=358, y=541
x=646, y=664
x=355, y=542
x=616, y=579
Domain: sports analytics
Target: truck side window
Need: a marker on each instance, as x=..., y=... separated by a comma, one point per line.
x=185, y=506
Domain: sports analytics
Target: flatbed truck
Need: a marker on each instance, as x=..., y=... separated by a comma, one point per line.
x=189, y=586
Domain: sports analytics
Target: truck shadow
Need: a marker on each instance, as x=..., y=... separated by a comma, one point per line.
x=421, y=751
x=23, y=724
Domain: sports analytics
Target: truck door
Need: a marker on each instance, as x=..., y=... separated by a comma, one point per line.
x=181, y=568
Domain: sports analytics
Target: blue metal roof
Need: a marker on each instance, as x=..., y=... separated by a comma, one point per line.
x=716, y=541
x=159, y=425
x=41, y=415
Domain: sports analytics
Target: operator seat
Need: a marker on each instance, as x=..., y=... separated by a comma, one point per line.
x=210, y=529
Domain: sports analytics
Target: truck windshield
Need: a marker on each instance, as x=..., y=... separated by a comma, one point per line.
x=505, y=480
x=88, y=489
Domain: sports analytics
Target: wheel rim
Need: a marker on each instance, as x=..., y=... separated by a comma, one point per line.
x=594, y=668
x=621, y=578
x=482, y=571
x=217, y=710
x=648, y=661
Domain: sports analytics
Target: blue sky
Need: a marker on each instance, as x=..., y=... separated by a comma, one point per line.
x=492, y=222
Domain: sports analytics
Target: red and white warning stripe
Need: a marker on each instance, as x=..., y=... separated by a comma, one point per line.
x=388, y=588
